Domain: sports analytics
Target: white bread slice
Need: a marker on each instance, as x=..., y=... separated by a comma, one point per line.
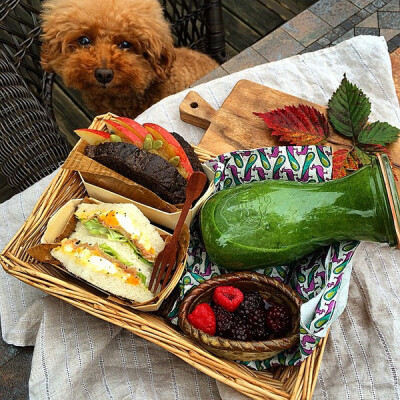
x=132, y=222
x=122, y=248
x=103, y=274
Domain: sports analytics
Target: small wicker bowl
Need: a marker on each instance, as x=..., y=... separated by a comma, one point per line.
x=270, y=289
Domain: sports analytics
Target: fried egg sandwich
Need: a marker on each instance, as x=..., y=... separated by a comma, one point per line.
x=113, y=247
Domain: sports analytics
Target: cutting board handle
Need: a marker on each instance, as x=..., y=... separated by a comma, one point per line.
x=196, y=111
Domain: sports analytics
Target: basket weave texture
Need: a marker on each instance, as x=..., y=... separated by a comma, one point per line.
x=31, y=145
x=294, y=382
x=270, y=289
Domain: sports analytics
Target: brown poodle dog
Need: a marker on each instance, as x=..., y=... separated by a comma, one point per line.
x=118, y=53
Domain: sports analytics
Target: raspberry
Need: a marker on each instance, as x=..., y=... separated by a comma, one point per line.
x=278, y=319
x=252, y=301
x=203, y=318
x=225, y=321
x=241, y=331
x=257, y=323
x=228, y=297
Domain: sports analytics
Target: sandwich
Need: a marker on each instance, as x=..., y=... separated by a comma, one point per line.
x=113, y=247
x=147, y=154
x=148, y=169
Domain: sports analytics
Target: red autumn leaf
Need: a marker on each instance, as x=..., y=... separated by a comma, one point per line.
x=377, y=148
x=338, y=163
x=374, y=148
x=352, y=162
x=343, y=161
x=298, y=125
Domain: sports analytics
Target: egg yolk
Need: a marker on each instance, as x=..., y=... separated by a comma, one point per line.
x=109, y=219
x=97, y=261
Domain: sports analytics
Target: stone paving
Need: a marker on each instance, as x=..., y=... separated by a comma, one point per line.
x=324, y=24
x=15, y=365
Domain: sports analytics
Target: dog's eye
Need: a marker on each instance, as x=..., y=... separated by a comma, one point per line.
x=84, y=41
x=125, y=45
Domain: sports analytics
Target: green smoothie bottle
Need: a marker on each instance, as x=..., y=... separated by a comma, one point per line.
x=275, y=222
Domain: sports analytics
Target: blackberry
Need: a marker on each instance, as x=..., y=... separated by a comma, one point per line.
x=278, y=319
x=240, y=331
x=225, y=321
x=252, y=301
x=257, y=323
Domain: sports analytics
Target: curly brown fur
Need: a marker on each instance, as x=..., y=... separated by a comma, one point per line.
x=143, y=74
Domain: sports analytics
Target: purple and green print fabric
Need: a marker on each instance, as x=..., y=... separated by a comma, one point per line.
x=321, y=279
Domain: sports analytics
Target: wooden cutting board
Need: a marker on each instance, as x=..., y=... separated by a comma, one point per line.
x=234, y=126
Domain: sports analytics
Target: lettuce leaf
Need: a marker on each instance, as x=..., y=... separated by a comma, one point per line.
x=112, y=253
x=142, y=277
x=97, y=228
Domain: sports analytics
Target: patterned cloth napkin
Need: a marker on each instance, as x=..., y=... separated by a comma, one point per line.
x=321, y=279
x=78, y=356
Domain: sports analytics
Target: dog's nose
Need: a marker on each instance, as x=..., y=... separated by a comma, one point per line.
x=104, y=75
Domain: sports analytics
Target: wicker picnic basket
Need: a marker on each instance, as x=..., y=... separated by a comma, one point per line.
x=294, y=382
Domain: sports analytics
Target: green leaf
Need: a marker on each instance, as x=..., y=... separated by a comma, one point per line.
x=114, y=235
x=97, y=228
x=348, y=109
x=364, y=158
x=379, y=133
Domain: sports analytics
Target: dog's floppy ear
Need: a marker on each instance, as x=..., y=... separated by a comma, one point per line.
x=50, y=54
x=47, y=54
x=161, y=56
x=50, y=45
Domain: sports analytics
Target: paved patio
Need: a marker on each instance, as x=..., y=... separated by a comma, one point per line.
x=323, y=24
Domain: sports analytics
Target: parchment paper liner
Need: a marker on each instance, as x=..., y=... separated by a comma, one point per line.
x=62, y=224
x=94, y=174
x=162, y=218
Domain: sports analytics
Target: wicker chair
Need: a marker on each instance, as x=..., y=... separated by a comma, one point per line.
x=31, y=144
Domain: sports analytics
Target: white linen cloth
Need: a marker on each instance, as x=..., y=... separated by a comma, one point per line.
x=78, y=356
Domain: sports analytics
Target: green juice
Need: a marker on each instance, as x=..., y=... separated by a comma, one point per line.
x=275, y=222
